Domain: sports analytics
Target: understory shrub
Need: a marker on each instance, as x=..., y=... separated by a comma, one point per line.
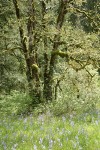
x=15, y=103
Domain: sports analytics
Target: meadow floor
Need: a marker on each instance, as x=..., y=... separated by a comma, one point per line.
x=47, y=132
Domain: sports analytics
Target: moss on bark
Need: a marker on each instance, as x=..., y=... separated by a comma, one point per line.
x=35, y=67
x=60, y=53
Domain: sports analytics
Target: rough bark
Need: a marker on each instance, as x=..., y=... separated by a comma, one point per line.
x=46, y=87
x=60, y=19
x=30, y=52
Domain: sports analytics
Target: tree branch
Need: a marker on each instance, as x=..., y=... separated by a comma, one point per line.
x=88, y=16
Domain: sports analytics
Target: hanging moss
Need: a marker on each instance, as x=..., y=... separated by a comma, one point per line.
x=60, y=53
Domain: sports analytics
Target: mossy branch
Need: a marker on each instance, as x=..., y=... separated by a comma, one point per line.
x=60, y=53
x=88, y=16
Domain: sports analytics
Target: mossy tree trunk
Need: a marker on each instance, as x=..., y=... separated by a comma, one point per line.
x=48, y=75
x=30, y=51
x=46, y=78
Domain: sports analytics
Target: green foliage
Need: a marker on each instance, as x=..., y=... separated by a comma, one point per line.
x=11, y=78
x=77, y=92
x=15, y=103
x=92, y=22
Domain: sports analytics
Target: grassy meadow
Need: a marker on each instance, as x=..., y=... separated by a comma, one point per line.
x=46, y=132
x=46, y=129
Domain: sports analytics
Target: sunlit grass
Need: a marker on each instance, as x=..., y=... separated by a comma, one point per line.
x=50, y=133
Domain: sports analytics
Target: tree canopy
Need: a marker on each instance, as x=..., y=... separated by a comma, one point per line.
x=44, y=42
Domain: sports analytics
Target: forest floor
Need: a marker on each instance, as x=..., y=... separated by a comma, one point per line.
x=47, y=132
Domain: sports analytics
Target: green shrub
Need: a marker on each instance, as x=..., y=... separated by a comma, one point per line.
x=15, y=103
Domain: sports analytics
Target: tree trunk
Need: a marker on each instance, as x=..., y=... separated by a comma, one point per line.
x=48, y=84
x=30, y=52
